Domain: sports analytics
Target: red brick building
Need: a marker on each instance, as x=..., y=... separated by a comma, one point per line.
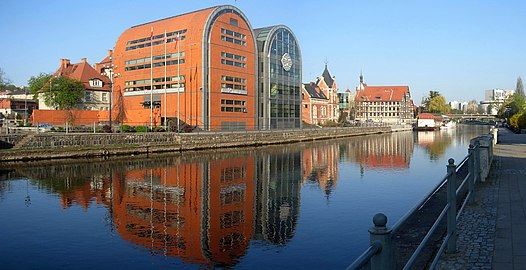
x=387, y=104
x=320, y=102
x=204, y=71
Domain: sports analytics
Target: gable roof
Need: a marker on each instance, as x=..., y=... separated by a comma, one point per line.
x=83, y=72
x=314, y=91
x=382, y=93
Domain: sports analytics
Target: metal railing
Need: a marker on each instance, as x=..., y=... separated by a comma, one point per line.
x=380, y=253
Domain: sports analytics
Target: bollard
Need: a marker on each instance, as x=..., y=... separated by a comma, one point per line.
x=382, y=234
x=495, y=135
x=471, y=171
x=452, y=201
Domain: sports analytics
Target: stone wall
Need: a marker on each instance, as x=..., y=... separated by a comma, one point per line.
x=61, y=145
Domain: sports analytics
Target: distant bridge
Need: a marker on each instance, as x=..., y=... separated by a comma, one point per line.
x=479, y=117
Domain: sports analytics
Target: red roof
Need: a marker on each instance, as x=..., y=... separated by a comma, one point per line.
x=83, y=72
x=382, y=93
x=426, y=116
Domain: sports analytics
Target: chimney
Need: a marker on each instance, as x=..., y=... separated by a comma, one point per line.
x=64, y=63
x=83, y=60
x=110, y=52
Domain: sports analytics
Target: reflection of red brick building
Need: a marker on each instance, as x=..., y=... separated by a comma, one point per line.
x=389, y=151
x=200, y=212
x=320, y=165
x=204, y=64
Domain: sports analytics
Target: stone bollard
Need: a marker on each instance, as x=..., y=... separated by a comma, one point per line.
x=381, y=234
x=495, y=132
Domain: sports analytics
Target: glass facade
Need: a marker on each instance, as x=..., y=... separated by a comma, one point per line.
x=280, y=78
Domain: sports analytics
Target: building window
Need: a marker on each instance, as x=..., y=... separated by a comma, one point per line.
x=235, y=105
x=233, y=79
x=104, y=96
x=233, y=63
x=234, y=56
x=233, y=22
x=87, y=96
x=147, y=41
x=233, y=37
x=155, y=58
x=233, y=33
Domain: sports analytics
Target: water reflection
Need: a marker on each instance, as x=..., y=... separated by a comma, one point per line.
x=206, y=209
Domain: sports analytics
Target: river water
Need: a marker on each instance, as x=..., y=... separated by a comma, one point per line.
x=299, y=206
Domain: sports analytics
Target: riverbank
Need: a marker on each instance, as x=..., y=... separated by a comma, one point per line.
x=43, y=146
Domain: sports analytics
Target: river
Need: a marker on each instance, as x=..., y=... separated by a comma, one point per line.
x=298, y=206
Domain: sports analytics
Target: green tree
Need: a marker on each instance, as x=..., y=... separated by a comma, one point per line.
x=436, y=103
x=39, y=83
x=519, y=89
x=64, y=93
x=59, y=92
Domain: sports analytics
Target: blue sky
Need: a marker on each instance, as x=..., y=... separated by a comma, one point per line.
x=459, y=48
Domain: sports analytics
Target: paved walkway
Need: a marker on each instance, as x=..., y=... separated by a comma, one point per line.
x=492, y=231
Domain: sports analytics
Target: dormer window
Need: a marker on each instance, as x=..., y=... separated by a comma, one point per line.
x=95, y=83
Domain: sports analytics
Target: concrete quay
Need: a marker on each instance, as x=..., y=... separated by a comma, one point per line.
x=492, y=230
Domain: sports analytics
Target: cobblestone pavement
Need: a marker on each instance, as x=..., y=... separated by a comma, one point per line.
x=492, y=230
x=476, y=229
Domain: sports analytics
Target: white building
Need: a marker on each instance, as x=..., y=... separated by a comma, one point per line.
x=494, y=98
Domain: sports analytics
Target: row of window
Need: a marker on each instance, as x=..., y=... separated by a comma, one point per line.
x=155, y=58
x=234, y=56
x=169, y=34
x=284, y=110
x=233, y=63
x=88, y=95
x=232, y=86
x=155, y=87
x=233, y=33
x=159, y=64
x=233, y=109
x=233, y=102
x=155, y=80
x=379, y=114
x=234, y=40
x=160, y=36
x=382, y=103
x=380, y=108
x=233, y=79
x=155, y=43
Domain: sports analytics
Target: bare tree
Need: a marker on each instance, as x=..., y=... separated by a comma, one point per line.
x=4, y=81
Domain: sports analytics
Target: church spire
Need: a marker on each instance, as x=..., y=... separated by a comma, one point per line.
x=361, y=77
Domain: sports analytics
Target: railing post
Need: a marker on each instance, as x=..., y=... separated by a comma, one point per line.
x=471, y=171
x=382, y=234
x=476, y=162
x=452, y=201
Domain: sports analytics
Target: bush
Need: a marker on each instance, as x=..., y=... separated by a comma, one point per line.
x=127, y=128
x=141, y=129
x=106, y=129
x=521, y=121
x=158, y=129
x=514, y=120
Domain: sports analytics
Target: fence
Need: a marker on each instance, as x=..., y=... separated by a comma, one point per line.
x=380, y=253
